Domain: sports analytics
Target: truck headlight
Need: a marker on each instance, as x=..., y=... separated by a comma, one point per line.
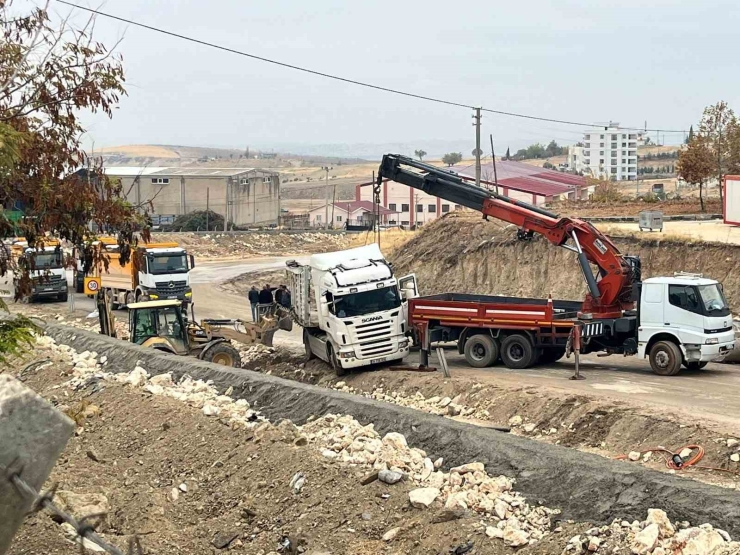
x=153, y=296
x=347, y=354
x=189, y=294
x=712, y=341
x=403, y=343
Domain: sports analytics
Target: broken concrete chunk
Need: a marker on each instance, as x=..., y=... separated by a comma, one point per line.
x=660, y=518
x=634, y=456
x=646, y=540
x=421, y=498
x=390, y=477
x=467, y=468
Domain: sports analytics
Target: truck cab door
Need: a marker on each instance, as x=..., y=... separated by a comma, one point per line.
x=683, y=312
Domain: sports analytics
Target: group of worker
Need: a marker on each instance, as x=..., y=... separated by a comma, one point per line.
x=268, y=297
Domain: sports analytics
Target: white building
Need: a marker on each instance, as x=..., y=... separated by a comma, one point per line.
x=609, y=152
x=575, y=160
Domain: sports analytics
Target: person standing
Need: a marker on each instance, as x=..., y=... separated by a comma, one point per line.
x=279, y=295
x=254, y=299
x=285, y=298
x=265, y=296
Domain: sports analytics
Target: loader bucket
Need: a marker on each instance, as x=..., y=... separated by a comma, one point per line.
x=267, y=335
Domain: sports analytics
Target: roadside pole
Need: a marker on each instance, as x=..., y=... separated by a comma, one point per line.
x=477, y=117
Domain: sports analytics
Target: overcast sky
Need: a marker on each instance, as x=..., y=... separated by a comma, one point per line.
x=586, y=60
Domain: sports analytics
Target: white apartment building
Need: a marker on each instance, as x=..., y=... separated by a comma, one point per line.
x=609, y=152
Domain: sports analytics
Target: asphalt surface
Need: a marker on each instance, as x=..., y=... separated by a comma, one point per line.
x=712, y=394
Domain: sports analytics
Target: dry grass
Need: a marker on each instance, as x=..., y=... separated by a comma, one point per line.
x=390, y=239
x=140, y=151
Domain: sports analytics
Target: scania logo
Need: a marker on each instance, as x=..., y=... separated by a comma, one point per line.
x=372, y=319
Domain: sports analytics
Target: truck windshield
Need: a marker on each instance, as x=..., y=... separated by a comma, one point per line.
x=47, y=260
x=168, y=264
x=713, y=300
x=367, y=302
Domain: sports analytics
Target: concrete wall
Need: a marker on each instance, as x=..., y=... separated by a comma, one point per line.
x=252, y=202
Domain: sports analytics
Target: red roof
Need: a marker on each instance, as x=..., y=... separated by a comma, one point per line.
x=365, y=205
x=526, y=178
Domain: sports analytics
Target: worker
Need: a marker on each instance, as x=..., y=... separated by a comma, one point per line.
x=285, y=298
x=279, y=295
x=254, y=299
x=265, y=296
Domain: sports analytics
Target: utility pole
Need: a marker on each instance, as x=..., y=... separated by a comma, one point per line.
x=226, y=212
x=477, y=117
x=208, y=194
x=326, y=208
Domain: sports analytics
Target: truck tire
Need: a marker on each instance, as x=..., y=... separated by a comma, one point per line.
x=333, y=362
x=481, y=350
x=665, y=358
x=307, y=345
x=224, y=354
x=62, y=297
x=549, y=356
x=517, y=352
x=694, y=365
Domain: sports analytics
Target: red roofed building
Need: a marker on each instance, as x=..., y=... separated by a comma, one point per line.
x=518, y=180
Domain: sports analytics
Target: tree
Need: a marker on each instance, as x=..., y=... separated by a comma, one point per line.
x=718, y=126
x=452, y=158
x=691, y=135
x=605, y=190
x=508, y=154
x=696, y=164
x=201, y=220
x=48, y=76
x=420, y=154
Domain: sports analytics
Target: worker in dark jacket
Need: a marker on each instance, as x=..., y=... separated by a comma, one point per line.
x=285, y=298
x=265, y=296
x=254, y=299
x=279, y=294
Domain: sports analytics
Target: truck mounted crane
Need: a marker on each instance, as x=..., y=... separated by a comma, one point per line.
x=683, y=320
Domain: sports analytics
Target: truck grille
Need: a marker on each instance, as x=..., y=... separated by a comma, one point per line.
x=171, y=288
x=374, y=339
x=50, y=279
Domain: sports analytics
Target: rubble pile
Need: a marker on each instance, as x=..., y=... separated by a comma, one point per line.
x=463, y=488
x=656, y=535
x=221, y=245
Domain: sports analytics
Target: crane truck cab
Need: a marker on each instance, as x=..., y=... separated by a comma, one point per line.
x=352, y=308
x=683, y=320
x=46, y=269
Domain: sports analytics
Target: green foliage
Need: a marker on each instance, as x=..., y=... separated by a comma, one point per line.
x=538, y=151
x=202, y=220
x=16, y=334
x=650, y=197
x=452, y=158
x=548, y=166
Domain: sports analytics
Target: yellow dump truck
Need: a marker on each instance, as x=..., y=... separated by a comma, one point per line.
x=46, y=268
x=154, y=271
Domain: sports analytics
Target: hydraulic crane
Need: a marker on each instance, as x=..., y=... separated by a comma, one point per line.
x=609, y=297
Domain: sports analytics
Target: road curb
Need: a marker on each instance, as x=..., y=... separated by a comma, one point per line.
x=584, y=486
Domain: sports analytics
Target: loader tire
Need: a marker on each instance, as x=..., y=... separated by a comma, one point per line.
x=224, y=354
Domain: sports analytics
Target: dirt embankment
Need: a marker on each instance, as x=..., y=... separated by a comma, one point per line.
x=465, y=254
x=631, y=207
x=228, y=245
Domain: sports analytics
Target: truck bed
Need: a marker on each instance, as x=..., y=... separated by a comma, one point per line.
x=459, y=308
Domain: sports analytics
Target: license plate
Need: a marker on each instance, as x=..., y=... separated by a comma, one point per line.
x=377, y=360
x=171, y=297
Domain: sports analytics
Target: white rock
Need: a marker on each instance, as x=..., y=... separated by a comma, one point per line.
x=174, y=495
x=390, y=477
x=154, y=389
x=329, y=454
x=340, y=385
x=732, y=442
x=735, y=457
x=634, y=456
x=428, y=469
x=660, y=518
x=529, y=428
x=395, y=440
x=445, y=401
x=514, y=537
x=515, y=420
x=501, y=507
x=165, y=380
x=493, y=532
x=703, y=543
x=211, y=410
x=438, y=463
x=183, y=487
x=646, y=540
x=593, y=543
x=297, y=482
x=137, y=377
x=466, y=468
x=685, y=453
x=391, y=534
x=421, y=498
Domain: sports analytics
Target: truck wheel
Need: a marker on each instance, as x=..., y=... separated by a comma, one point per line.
x=334, y=363
x=481, y=350
x=224, y=354
x=307, y=345
x=517, y=352
x=62, y=297
x=695, y=365
x=549, y=356
x=665, y=358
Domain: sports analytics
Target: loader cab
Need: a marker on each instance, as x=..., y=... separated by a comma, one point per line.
x=159, y=324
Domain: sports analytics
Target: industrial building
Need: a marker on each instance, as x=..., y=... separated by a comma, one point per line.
x=246, y=196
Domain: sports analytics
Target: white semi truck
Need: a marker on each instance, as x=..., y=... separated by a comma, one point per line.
x=351, y=307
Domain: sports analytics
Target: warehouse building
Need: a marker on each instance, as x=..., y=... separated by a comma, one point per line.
x=246, y=196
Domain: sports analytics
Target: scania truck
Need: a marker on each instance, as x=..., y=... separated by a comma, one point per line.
x=351, y=307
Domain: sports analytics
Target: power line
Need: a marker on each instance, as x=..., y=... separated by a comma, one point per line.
x=347, y=80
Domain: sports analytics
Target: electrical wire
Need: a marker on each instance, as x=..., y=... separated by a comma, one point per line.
x=352, y=81
x=670, y=462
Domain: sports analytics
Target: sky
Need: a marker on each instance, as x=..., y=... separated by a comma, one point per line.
x=581, y=60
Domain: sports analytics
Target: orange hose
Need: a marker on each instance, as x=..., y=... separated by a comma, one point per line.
x=699, y=455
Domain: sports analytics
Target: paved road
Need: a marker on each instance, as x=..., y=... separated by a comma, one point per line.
x=711, y=394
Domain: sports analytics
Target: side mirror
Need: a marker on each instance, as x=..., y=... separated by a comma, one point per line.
x=192, y=262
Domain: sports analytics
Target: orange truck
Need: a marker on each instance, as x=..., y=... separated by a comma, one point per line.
x=154, y=271
x=46, y=266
